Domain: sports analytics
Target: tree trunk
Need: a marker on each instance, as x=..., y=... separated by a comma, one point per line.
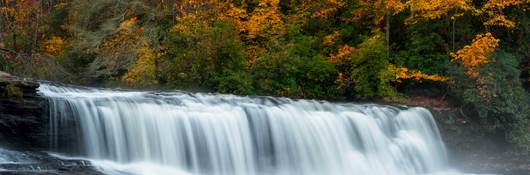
x=453, y=34
x=2, y=27
x=14, y=29
x=387, y=35
x=14, y=36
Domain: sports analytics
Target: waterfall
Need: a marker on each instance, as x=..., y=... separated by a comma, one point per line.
x=199, y=133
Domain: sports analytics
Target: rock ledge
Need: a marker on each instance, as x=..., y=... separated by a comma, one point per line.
x=22, y=114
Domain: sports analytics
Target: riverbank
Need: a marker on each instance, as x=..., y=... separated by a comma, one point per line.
x=474, y=148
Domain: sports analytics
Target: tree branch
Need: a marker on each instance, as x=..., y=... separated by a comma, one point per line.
x=7, y=50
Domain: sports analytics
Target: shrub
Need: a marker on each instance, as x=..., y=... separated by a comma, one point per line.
x=370, y=72
x=237, y=82
x=295, y=69
x=497, y=96
x=205, y=57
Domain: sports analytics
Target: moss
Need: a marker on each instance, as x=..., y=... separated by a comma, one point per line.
x=12, y=91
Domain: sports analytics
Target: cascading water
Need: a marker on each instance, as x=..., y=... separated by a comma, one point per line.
x=226, y=134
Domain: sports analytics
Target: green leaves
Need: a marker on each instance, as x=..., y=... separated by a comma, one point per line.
x=370, y=74
x=498, y=96
x=295, y=69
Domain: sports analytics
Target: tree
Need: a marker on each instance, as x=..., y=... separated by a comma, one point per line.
x=22, y=20
x=144, y=71
x=370, y=74
x=477, y=53
x=494, y=10
x=422, y=10
x=377, y=11
x=257, y=26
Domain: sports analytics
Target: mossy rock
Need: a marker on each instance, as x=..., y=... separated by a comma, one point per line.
x=11, y=90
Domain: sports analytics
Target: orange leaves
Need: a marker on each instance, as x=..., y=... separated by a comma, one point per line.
x=264, y=21
x=501, y=4
x=405, y=73
x=395, y=6
x=500, y=20
x=494, y=9
x=54, y=45
x=236, y=14
x=7, y=10
x=342, y=54
x=330, y=39
x=434, y=9
x=128, y=23
x=331, y=6
x=20, y=10
x=377, y=9
x=476, y=54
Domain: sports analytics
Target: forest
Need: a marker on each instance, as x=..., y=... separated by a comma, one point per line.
x=475, y=53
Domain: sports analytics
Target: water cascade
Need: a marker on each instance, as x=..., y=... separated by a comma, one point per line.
x=198, y=133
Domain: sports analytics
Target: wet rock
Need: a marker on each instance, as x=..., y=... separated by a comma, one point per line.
x=22, y=110
x=475, y=149
x=40, y=163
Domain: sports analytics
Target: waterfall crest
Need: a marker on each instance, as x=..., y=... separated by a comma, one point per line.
x=201, y=133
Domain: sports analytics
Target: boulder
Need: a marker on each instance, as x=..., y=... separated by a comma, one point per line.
x=23, y=120
x=4, y=74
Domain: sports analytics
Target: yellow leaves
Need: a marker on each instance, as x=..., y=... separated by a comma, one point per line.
x=265, y=21
x=236, y=14
x=331, y=6
x=262, y=25
x=7, y=10
x=494, y=9
x=342, y=54
x=143, y=71
x=500, y=20
x=501, y=4
x=435, y=9
x=20, y=15
x=54, y=45
x=476, y=54
x=128, y=23
x=395, y=6
x=199, y=7
x=189, y=24
x=330, y=39
x=405, y=73
x=341, y=81
x=377, y=9
x=121, y=38
x=115, y=50
x=194, y=15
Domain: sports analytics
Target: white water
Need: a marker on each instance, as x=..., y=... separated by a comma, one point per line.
x=185, y=133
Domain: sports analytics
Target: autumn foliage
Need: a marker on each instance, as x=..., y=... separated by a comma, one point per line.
x=405, y=73
x=477, y=53
x=472, y=50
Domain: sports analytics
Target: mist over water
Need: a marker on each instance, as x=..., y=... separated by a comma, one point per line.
x=152, y=133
